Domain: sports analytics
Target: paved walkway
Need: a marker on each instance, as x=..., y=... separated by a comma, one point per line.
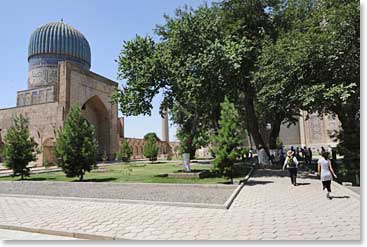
x=21, y=235
x=267, y=208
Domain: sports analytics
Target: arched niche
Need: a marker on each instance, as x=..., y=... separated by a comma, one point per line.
x=95, y=111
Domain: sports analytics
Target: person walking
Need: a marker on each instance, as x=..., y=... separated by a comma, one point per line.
x=310, y=155
x=326, y=171
x=281, y=155
x=291, y=163
x=306, y=156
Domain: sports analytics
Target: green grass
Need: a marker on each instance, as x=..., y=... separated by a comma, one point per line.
x=134, y=173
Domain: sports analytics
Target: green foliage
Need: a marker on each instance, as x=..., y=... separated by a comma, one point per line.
x=76, y=145
x=151, y=149
x=151, y=135
x=20, y=148
x=227, y=142
x=312, y=63
x=296, y=55
x=125, y=152
x=195, y=65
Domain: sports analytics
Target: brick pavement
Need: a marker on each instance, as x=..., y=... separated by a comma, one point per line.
x=267, y=208
x=21, y=235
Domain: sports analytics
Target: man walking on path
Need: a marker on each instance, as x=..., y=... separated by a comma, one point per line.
x=291, y=163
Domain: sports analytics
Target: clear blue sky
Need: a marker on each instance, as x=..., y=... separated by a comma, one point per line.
x=105, y=24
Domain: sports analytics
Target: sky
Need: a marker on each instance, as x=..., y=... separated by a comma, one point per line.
x=105, y=24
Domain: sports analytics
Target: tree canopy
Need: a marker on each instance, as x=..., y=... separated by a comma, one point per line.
x=272, y=59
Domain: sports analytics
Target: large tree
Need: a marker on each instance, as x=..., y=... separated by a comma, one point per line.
x=332, y=71
x=20, y=147
x=203, y=55
x=314, y=65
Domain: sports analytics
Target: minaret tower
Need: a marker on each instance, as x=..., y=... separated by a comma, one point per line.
x=165, y=128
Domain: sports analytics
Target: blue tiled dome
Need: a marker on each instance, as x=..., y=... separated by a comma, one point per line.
x=58, y=41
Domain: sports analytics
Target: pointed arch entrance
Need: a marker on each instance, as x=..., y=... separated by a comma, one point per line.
x=95, y=111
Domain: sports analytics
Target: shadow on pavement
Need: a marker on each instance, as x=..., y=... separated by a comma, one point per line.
x=269, y=173
x=95, y=180
x=252, y=182
x=298, y=184
x=37, y=179
x=339, y=197
x=280, y=173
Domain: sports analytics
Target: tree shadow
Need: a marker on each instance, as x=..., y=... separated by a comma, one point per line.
x=300, y=184
x=269, y=173
x=253, y=182
x=161, y=175
x=36, y=179
x=192, y=171
x=96, y=180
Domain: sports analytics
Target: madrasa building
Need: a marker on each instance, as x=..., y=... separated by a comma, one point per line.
x=59, y=77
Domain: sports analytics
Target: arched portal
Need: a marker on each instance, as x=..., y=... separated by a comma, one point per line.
x=96, y=113
x=48, y=146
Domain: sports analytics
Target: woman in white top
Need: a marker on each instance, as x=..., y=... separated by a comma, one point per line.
x=326, y=171
x=291, y=163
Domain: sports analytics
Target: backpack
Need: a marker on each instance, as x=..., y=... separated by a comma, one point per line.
x=291, y=163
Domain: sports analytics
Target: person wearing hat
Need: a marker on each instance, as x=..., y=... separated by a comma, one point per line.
x=291, y=163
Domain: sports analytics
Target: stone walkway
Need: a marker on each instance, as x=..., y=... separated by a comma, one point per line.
x=267, y=208
x=21, y=235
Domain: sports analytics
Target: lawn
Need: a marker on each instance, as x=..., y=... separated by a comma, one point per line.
x=134, y=173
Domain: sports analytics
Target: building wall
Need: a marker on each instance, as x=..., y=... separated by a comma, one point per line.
x=34, y=96
x=312, y=130
x=78, y=86
x=75, y=86
x=290, y=136
x=318, y=130
x=44, y=120
x=137, y=146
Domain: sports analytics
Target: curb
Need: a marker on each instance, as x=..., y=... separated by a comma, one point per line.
x=85, y=236
x=235, y=193
x=106, y=200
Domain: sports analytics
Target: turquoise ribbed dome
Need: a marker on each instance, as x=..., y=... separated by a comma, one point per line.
x=61, y=40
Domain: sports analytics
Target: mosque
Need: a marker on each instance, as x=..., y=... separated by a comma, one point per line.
x=59, y=77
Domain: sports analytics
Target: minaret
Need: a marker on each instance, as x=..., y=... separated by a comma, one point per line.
x=165, y=131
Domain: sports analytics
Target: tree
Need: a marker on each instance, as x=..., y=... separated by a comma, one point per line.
x=76, y=145
x=151, y=135
x=20, y=148
x=125, y=152
x=332, y=71
x=227, y=142
x=318, y=52
x=204, y=55
x=151, y=149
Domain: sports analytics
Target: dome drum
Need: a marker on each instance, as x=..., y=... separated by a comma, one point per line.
x=54, y=59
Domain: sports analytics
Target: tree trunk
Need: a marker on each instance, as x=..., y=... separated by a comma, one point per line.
x=274, y=134
x=349, y=144
x=253, y=123
x=81, y=177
